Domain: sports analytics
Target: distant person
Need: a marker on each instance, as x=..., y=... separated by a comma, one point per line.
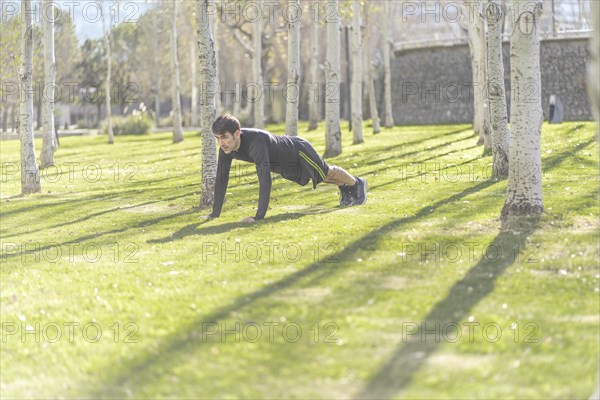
x=292, y=157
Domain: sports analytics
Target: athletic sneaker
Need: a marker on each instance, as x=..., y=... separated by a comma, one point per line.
x=346, y=199
x=359, y=192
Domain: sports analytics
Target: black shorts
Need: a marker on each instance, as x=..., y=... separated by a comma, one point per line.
x=308, y=166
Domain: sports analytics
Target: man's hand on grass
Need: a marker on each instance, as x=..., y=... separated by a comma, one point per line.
x=248, y=220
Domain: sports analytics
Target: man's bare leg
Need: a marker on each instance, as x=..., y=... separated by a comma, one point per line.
x=339, y=176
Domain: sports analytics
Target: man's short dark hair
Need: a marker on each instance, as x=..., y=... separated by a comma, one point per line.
x=225, y=123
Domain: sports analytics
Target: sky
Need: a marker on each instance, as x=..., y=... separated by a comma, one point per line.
x=86, y=13
x=87, y=22
x=89, y=25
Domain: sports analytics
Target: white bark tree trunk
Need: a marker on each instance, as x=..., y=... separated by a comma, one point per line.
x=315, y=87
x=594, y=67
x=333, y=134
x=474, y=51
x=486, y=131
x=177, y=128
x=496, y=91
x=525, y=170
x=157, y=83
x=387, y=44
x=208, y=85
x=30, y=174
x=194, y=61
x=215, y=32
x=49, y=144
x=107, y=83
x=237, y=81
x=293, y=79
x=258, y=85
x=357, y=74
x=369, y=76
x=476, y=38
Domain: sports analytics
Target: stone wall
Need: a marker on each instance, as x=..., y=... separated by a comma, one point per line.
x=434, y=85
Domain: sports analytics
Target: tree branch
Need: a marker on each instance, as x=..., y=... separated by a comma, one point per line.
x=249, y=49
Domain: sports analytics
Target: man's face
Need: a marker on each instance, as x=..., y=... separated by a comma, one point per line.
x=229, y=141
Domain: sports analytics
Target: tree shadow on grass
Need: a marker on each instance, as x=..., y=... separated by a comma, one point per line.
x=417, y=165
x=90, y=238
x=414, y=152
x=555, y=160
x=192, y=229
x=433, y=172
x=138, y=372
x=92, y=197
x=94, y=215
x=398, y=372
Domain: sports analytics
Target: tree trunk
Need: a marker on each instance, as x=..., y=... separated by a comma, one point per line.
x=369, y=76
x=292, y=99
x=387, y=44
x=215, y=32
x=525, y=170
x=14, y=118
x=314, y=92
x=30, y=174
x=582, y=16
x=157, y=82
x=237, y=81
x=357, y=74
x=553, y=18
x=347, y=110
x=474, y=50
x=49, y=144
x=208, y=84
x=98, y=112
x=177, y=128
x=258, y=88
x=107, y=83
x=4, y=118
x=497, y=92
x=194, y=61
x=478, y=52
x=38, y=106
x=486, y=130
x=594, y=66
x=333, y=134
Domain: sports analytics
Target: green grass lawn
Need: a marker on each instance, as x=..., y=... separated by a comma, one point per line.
x=112, y=286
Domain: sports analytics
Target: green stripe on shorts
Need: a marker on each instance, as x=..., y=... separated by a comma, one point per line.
x=311, y=162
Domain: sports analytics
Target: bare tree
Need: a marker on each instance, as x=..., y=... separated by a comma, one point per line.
x=477, y=47
x=314, y=98
x=582, y=15
x=107, y=83
x=30, y=174
x=333, y=134
x=293, y=79
x=497, y=91
x=194, y=62
x=208, y=85
x=369, y=76
x=176, y=89
x=215, y=34
x=525, y=170
x=594, y=66
x=357, y=74
x=156, y=66
x=49, y=144
x=485, y=132
x=237, y=80
x=387, y=45
x=258, y=87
